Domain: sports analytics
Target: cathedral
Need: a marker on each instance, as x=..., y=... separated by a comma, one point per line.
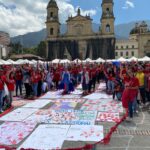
x=80, y=41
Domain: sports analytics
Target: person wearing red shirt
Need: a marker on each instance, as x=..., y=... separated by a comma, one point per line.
x=34, y=81
x=18, y=78
x=130, y=94
x=11, y=86
x=1, y=91
x=56, y=77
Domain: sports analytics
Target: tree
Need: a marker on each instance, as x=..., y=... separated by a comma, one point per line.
x=41, y=49
x=16, y=48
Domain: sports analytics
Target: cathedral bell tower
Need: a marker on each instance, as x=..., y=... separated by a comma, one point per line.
x=107, y=18
x=52, y=23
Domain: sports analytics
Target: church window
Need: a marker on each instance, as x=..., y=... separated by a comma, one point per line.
x=116, y=47
x=127, y=54
x=132, y=53
x=132, y=46
x=51, y=14
x=127, y=47
x=51, y=31
x=107, y=28
x=121, y=47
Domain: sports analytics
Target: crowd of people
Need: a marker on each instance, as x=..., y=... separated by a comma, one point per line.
x=127, y=82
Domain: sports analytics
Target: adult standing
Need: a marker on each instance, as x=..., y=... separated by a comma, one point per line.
x=1, y=91
x=18, y=78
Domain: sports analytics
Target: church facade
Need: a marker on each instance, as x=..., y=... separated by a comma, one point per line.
x=80, y=41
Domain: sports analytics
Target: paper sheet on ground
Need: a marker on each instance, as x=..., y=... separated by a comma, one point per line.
x=18, y=114
x=107, y=117
x=46, y=137
x=37, y=104
x=12, y=133
x=85, y=133
x=70, y=117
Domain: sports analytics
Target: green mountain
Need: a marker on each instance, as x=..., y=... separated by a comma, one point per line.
x=33, y=38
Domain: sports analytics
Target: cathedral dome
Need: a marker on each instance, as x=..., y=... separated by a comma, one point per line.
x=52, y=3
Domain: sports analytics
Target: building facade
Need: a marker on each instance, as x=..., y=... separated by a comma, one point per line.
x=4, y=44
x=126, y=48
x=141, y=32
x=80, y=41
x=137, y=45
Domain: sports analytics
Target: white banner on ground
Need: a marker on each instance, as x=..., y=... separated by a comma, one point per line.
x=12, y=133
x=95, y=96
x=107, y=117
x=37, y=104
x=46, y=137
x=52, y=95
x=19, y=114
x=85, y=133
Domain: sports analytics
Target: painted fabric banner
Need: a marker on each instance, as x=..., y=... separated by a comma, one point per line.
x=63, y=105
x=70, y=117
x=103, y=105
x=18, y=103
x=71, y=96
x=107, y=117
x=85, y=133
x=37, y=104
x=18, y=114
x=12, y=133
x=52, y=95
x=78, y=100
x=95, y=96
x=77, y=92
x=46, y=137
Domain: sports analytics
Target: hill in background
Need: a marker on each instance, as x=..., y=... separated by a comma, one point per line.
x=34, y=38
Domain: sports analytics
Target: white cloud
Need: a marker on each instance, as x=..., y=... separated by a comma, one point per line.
x=22, y=16
x=128, y=4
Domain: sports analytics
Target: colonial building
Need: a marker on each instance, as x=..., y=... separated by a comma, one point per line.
x=141, y=32
x=126, y=48
x=80, y=41
x=4, y=44
x=137, y=45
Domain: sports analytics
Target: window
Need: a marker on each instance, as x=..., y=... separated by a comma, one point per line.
x=132, y=53
x=51, y=14
x=116, y=54
x=51, y=31
x=107, y=28
x=127, y=53
x=127, y=47
x=121, y=47
x=116, y=47
x=132, y=46
x=121, y=53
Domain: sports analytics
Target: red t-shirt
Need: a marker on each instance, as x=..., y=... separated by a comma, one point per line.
x=19, y=75
x=134, y=82
x=1, y=84
x=11, y=84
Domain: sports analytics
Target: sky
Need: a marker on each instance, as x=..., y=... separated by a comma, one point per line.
x=18, y=17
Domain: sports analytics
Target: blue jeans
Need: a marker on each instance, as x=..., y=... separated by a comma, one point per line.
x=18, y=85
x=132, y=107
x=1, y=99
x=110, y=85
x=119, y=95
x=34, y=87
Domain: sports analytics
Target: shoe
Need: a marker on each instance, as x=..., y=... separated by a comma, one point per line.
x=128, y=119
